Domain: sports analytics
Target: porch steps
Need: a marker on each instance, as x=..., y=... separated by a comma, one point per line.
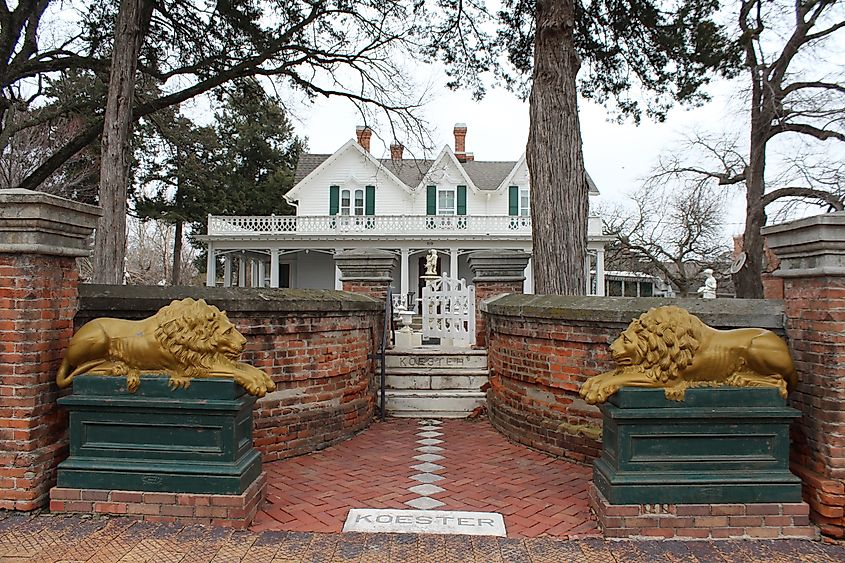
x=434, y=382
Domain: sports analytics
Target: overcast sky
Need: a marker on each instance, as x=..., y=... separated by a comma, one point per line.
x=617, y=156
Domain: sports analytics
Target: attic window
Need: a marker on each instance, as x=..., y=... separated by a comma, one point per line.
x=446, y=202
x=346, y=204
x=524, y=203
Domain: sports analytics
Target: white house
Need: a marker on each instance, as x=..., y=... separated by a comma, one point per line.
x=350, y=199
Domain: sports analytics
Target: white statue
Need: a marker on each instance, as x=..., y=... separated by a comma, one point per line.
x=431, y=263
x=708, y=290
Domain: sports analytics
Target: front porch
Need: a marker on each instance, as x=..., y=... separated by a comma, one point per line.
x=297, y=252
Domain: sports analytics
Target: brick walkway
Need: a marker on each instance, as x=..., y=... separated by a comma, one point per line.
x=74, y=539
x=445, y=465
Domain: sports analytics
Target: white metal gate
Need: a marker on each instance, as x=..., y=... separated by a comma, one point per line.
x=448, y=311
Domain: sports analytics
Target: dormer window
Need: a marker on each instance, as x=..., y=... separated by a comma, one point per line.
x=352, y=202
x=524, y=203
x=446, y=201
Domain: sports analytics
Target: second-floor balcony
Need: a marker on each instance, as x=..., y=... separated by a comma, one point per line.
x=378, y=226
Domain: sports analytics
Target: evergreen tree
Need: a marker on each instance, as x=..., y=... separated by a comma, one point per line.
x=241, y=165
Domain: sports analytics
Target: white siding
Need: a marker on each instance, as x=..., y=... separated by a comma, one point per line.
x=352, y=170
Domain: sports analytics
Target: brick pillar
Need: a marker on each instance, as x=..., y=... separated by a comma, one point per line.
x=40, y=237
x=495, y=273
x=812, y=255
x=367, y=271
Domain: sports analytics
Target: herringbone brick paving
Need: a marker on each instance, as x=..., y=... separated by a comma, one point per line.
x=482, y=471
x=77, y=539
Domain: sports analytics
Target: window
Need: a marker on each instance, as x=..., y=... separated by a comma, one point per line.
x=345, y=202
x=614, y=288
x=350, y=207
x=646, y=289
x=359, y=202
x=446, y=202
x=524, y=203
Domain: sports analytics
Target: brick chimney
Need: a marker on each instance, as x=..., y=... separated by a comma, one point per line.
x=396, y=151
x=460, y=143
x=364, y=133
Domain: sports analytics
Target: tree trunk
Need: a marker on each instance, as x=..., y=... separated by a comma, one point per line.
x=559, y=193
x=177, y=254
x=748, y=282
x=110, y=242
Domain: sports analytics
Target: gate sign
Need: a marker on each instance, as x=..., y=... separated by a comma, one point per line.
x=448, y=310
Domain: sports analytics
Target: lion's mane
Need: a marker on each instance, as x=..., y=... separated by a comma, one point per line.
x=667, y=339
x=190, y=330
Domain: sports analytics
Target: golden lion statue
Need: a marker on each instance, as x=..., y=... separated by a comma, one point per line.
x=185, y=339
x=671, y=348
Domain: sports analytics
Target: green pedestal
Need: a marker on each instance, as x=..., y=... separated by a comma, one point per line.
x=194, y=440
x=723, y=445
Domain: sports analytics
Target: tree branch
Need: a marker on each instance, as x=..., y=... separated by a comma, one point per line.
x=807, y=193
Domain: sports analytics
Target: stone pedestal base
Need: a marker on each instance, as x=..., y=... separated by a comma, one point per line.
x=234, y=511
x=407, y=339
x=725, y=445
x=702, y=521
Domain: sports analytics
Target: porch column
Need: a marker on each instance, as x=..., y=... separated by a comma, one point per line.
x=587, y=261
x=366, y=271
x=494, y=273
x=600, y=272
x=227, y=270
x=274, y=267
x=812, y=266
x=211, y=267
x=528, y=285
x=338, y=283
x=453, y=263
x=261, y=273
x=242, y=270
x=404, y=274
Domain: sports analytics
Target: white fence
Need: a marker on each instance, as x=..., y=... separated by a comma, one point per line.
x=448, y=311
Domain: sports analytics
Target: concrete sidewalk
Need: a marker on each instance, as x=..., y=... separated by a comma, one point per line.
x=54, y=539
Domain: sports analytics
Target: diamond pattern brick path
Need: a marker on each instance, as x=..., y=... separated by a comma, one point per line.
x=479, y=471
x=75, y=539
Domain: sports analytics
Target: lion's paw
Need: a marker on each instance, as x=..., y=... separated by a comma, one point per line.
x=133, y=380
x=177, y=382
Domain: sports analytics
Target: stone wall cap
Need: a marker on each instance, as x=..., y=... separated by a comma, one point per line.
x=122, y=298
x=21, y=195
x=837, y=218
x=720, y=313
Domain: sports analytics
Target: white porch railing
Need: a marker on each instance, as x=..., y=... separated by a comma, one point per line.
x=377, y=225
x=368, y=224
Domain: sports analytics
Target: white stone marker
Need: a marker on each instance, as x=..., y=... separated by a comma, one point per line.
x=373, y=520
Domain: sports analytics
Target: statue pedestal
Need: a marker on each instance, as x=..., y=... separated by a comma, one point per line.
x=721, y=445
x=194, y=440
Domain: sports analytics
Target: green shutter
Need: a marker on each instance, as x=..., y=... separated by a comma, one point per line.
x=513, y=200
x=462, y=200
x=334, y=200
x=370, y=201
x=431, y=200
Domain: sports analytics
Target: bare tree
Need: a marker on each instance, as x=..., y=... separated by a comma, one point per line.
x=794, y=93
x=24, y=152
x=334, y=48
x=671, y=231
x=149, y=255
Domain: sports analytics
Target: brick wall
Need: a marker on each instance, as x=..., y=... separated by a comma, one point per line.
x=483, y=292
x=314, y=344
x=542, y=348
x=37, y=302
x=815, y=309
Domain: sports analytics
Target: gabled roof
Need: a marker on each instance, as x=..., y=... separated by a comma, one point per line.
x=447, y=155
x=484, y=175
x=309, y=165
